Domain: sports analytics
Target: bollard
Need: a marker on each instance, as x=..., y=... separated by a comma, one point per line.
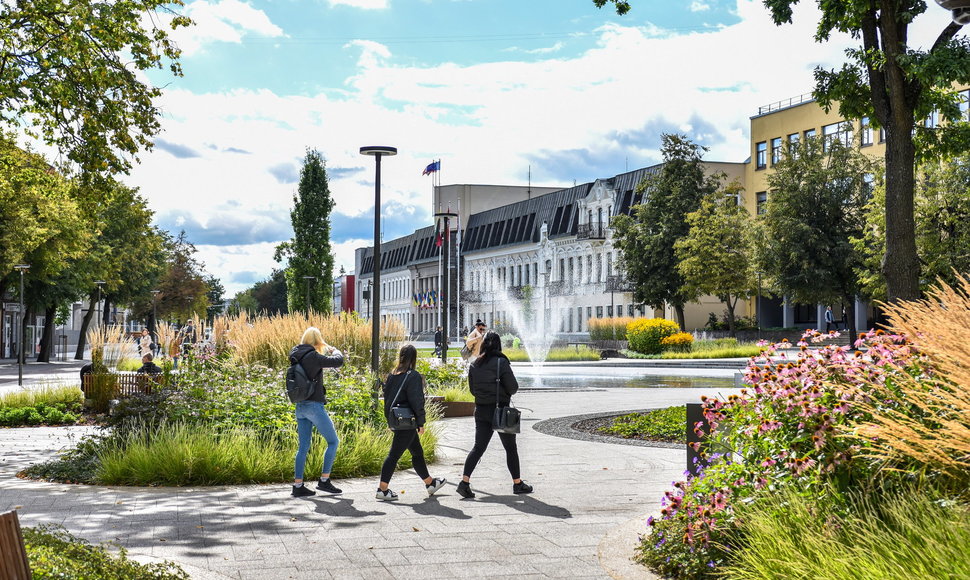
x=695, y=414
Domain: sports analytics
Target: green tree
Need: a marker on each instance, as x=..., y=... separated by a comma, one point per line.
x=69, y=74
x=942, y=236
x=815, y=213
x=647, y=237
x=182, y=288
x=896, y=85
x=309, y=253
x=716, y=256
x=267, y=296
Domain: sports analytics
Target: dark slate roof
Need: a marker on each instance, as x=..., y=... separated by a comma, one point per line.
x=626, y=184
x=404, y=251
x=520, y=222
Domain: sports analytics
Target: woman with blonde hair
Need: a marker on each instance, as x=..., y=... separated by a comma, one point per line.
x=314, y=355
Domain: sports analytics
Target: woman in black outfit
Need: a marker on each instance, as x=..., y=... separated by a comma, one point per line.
x=410, y=384
x=482, y=382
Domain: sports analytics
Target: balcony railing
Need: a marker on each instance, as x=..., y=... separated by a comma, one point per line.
x=618, y=283
x=591, y=232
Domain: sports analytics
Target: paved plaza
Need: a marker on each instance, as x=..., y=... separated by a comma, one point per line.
x=590, y=500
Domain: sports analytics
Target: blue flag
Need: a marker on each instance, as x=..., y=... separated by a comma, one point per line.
x=431, y=168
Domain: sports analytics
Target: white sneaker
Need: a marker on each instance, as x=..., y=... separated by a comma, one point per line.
x=386, y=495
x=436, y=484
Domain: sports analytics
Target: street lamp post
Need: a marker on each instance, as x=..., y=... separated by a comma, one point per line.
x=23, y=334
x=100, y=283
x=308, y=278
x=377, y=151
x=445, y=290
x=757, y=307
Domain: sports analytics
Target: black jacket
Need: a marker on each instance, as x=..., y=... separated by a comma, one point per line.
x=481, y=380
x=437, y=338
x=412, y=394
x=313, y=363
x=150, y=368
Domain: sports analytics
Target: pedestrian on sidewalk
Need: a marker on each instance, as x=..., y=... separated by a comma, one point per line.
x=145, y=345
x=315, y=355
x=474, y=340
x=404, y=387
x=148, y=366
x=829, y=319
x=438, y=342
x=490, y=368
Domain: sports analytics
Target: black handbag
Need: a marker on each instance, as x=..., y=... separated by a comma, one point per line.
x=401, y=418
x=505, y=419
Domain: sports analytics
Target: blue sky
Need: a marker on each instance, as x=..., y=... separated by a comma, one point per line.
x=493, y=88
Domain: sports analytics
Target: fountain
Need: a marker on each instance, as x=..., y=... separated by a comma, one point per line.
x=536, y=327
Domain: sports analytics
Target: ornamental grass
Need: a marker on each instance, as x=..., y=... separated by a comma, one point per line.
x=609, y=328
x=923, y=419
x=267, y=340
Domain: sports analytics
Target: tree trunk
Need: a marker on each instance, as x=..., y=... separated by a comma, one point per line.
x=900, y=265
x=850, y=320
x=47, y=338
x=679, y=313
x=105, y=312
x=730, y=316
x=83, y=333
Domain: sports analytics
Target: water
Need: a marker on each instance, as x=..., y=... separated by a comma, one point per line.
x=548, y=381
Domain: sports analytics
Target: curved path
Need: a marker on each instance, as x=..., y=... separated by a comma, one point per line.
x=585, y=491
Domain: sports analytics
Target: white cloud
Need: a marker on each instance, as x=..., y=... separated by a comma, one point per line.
x=222, y=21
x=487, y=122
x=364, y=4
x=699, y=6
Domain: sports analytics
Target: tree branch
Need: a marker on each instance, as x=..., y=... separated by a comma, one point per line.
x=946, y=35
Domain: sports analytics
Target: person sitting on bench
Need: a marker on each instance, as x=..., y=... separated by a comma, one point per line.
x=148, y=367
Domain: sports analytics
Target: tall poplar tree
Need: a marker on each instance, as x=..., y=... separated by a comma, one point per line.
x=309, y=253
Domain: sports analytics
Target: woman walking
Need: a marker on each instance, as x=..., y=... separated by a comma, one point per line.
x=315, y=355
x=145, y=343
x=404, y=387
x=492, y=382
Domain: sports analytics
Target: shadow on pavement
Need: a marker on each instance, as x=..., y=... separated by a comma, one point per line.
x=526, y=504
x=341, y=507
x=432, y=507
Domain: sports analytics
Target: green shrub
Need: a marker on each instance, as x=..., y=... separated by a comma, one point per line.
x=645, y=334
x=199, y=454
x=128, y=365
x=559, y=354
x=69, y=396
x=884, y=535
x=608, y=328
x=53, y=553
x=101, y=388
x=669, y=424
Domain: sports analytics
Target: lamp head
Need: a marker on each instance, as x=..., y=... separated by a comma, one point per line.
x=378, y=150
x=960, y=9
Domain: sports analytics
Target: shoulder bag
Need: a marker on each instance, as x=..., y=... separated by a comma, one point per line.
x=401, y=418
x=506, y=419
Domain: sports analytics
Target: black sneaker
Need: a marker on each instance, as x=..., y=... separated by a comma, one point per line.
x=465, y=490
x=325, y=485
x=521, y=487
x=436, y=484
x=302, y=491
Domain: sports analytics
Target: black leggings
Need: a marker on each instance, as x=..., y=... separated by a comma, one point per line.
x=405, y=440
x=483, y=434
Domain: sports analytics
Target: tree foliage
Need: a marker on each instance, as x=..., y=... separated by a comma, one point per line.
x=69, y=74
x=815, y=213
x=267, y=296
x=182, y=288
x=716, y=256
x=646, y=238
x=309, y=252
x=895, y=85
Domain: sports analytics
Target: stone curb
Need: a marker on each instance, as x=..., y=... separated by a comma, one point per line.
x=563, y=427
x=615, y=550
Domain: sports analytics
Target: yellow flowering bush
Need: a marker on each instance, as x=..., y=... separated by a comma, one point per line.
x=679, y=342
x=645, y=334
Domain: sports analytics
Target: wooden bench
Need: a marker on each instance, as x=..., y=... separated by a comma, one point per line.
x=13, y=555
x=128, y=383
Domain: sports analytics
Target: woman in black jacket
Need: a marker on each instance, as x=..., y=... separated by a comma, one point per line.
x=404, y=387
x=490, y=368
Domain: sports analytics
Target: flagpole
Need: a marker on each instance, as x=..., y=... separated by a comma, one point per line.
x=458, y=267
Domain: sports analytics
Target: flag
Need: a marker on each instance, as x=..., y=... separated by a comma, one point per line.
x=437, y=232
x=432, y=167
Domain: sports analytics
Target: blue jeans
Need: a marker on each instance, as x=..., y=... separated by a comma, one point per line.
x=308, y=415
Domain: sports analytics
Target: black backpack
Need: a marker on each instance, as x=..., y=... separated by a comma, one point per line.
x=299, y=387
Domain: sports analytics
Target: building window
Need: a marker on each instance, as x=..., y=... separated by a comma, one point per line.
x=776, y=150
x=599, y=312
x=571, y=272
x=762, y=202
x=809, y=134
x=589, y=268
x=629, y=310
x=599, y=267
x=793, y=141
x=882, y=135
x=866, y=130
x=932, y=120
x=829, y=134
x=965, y=105
x=619, y=310
x=562, y=269
x=579, y=319
x=579, y=270
x=609, y=311
x=761, y=155
x=589, y=312
x=609, y=264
